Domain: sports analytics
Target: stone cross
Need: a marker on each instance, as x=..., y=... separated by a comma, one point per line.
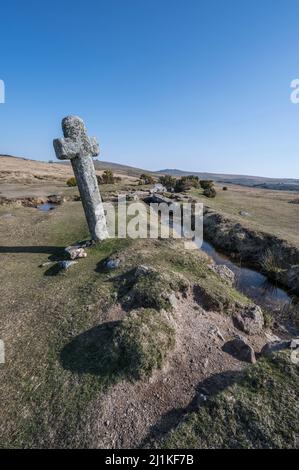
x=79, y=148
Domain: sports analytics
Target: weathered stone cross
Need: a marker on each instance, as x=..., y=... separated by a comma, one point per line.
x=79, y=148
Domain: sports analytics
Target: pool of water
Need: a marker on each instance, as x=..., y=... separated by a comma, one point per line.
x=252, y=283
x=46, y=206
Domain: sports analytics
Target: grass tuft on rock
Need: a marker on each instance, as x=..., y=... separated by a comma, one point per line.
x=259, y=411
x=209, y=287
x=143, y=340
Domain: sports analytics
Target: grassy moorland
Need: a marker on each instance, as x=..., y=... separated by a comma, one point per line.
x=62, y=351
x=269, y=211
x=99, y=358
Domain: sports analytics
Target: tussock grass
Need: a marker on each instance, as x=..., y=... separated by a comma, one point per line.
x=150, y=289
x=270, y=264
x=142, y=341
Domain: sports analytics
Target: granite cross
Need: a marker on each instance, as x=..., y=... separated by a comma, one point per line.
x=79, y=149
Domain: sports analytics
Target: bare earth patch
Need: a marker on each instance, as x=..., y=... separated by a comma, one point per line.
x=136, y=414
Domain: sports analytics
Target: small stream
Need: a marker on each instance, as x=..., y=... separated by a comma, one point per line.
x=252, y=283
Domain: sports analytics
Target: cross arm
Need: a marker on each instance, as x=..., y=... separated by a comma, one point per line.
x=67, y=149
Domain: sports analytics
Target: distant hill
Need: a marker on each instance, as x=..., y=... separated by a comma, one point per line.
x=285, y=184
x=121, y=169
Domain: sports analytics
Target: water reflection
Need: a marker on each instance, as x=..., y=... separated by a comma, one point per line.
x=45, y=207
x=252, y=283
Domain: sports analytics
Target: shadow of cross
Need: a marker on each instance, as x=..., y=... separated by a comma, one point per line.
x=79, y=149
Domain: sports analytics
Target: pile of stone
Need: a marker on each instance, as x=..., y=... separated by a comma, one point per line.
x=74, y=252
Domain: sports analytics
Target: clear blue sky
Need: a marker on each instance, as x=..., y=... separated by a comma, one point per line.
x=191, y=84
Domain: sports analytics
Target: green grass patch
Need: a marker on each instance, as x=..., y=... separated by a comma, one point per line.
x=259, y=411
x=150, y=289
x=195, y=267
x=142, y=341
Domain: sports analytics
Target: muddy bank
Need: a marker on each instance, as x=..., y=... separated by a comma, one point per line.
x=278, y=259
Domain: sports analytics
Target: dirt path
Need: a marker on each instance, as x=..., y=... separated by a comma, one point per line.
x=137, y=414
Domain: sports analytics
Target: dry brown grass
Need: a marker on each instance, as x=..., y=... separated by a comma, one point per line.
x=29, y=178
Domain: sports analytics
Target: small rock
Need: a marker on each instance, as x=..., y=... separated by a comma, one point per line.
x=274, y=347
x=250, y=320
x=244, y=213
x=112, y=263
x=46, y=263
x=75, y=252
x=224, y=272
x=214, y=331
x=65, y=264
x=241, y=349
x=142, y=270
x=158, y=188
x=56, y=199
x=206, y=362
x=201, y=399
x=294, y=343
x=219, y=334
x=173, y=300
